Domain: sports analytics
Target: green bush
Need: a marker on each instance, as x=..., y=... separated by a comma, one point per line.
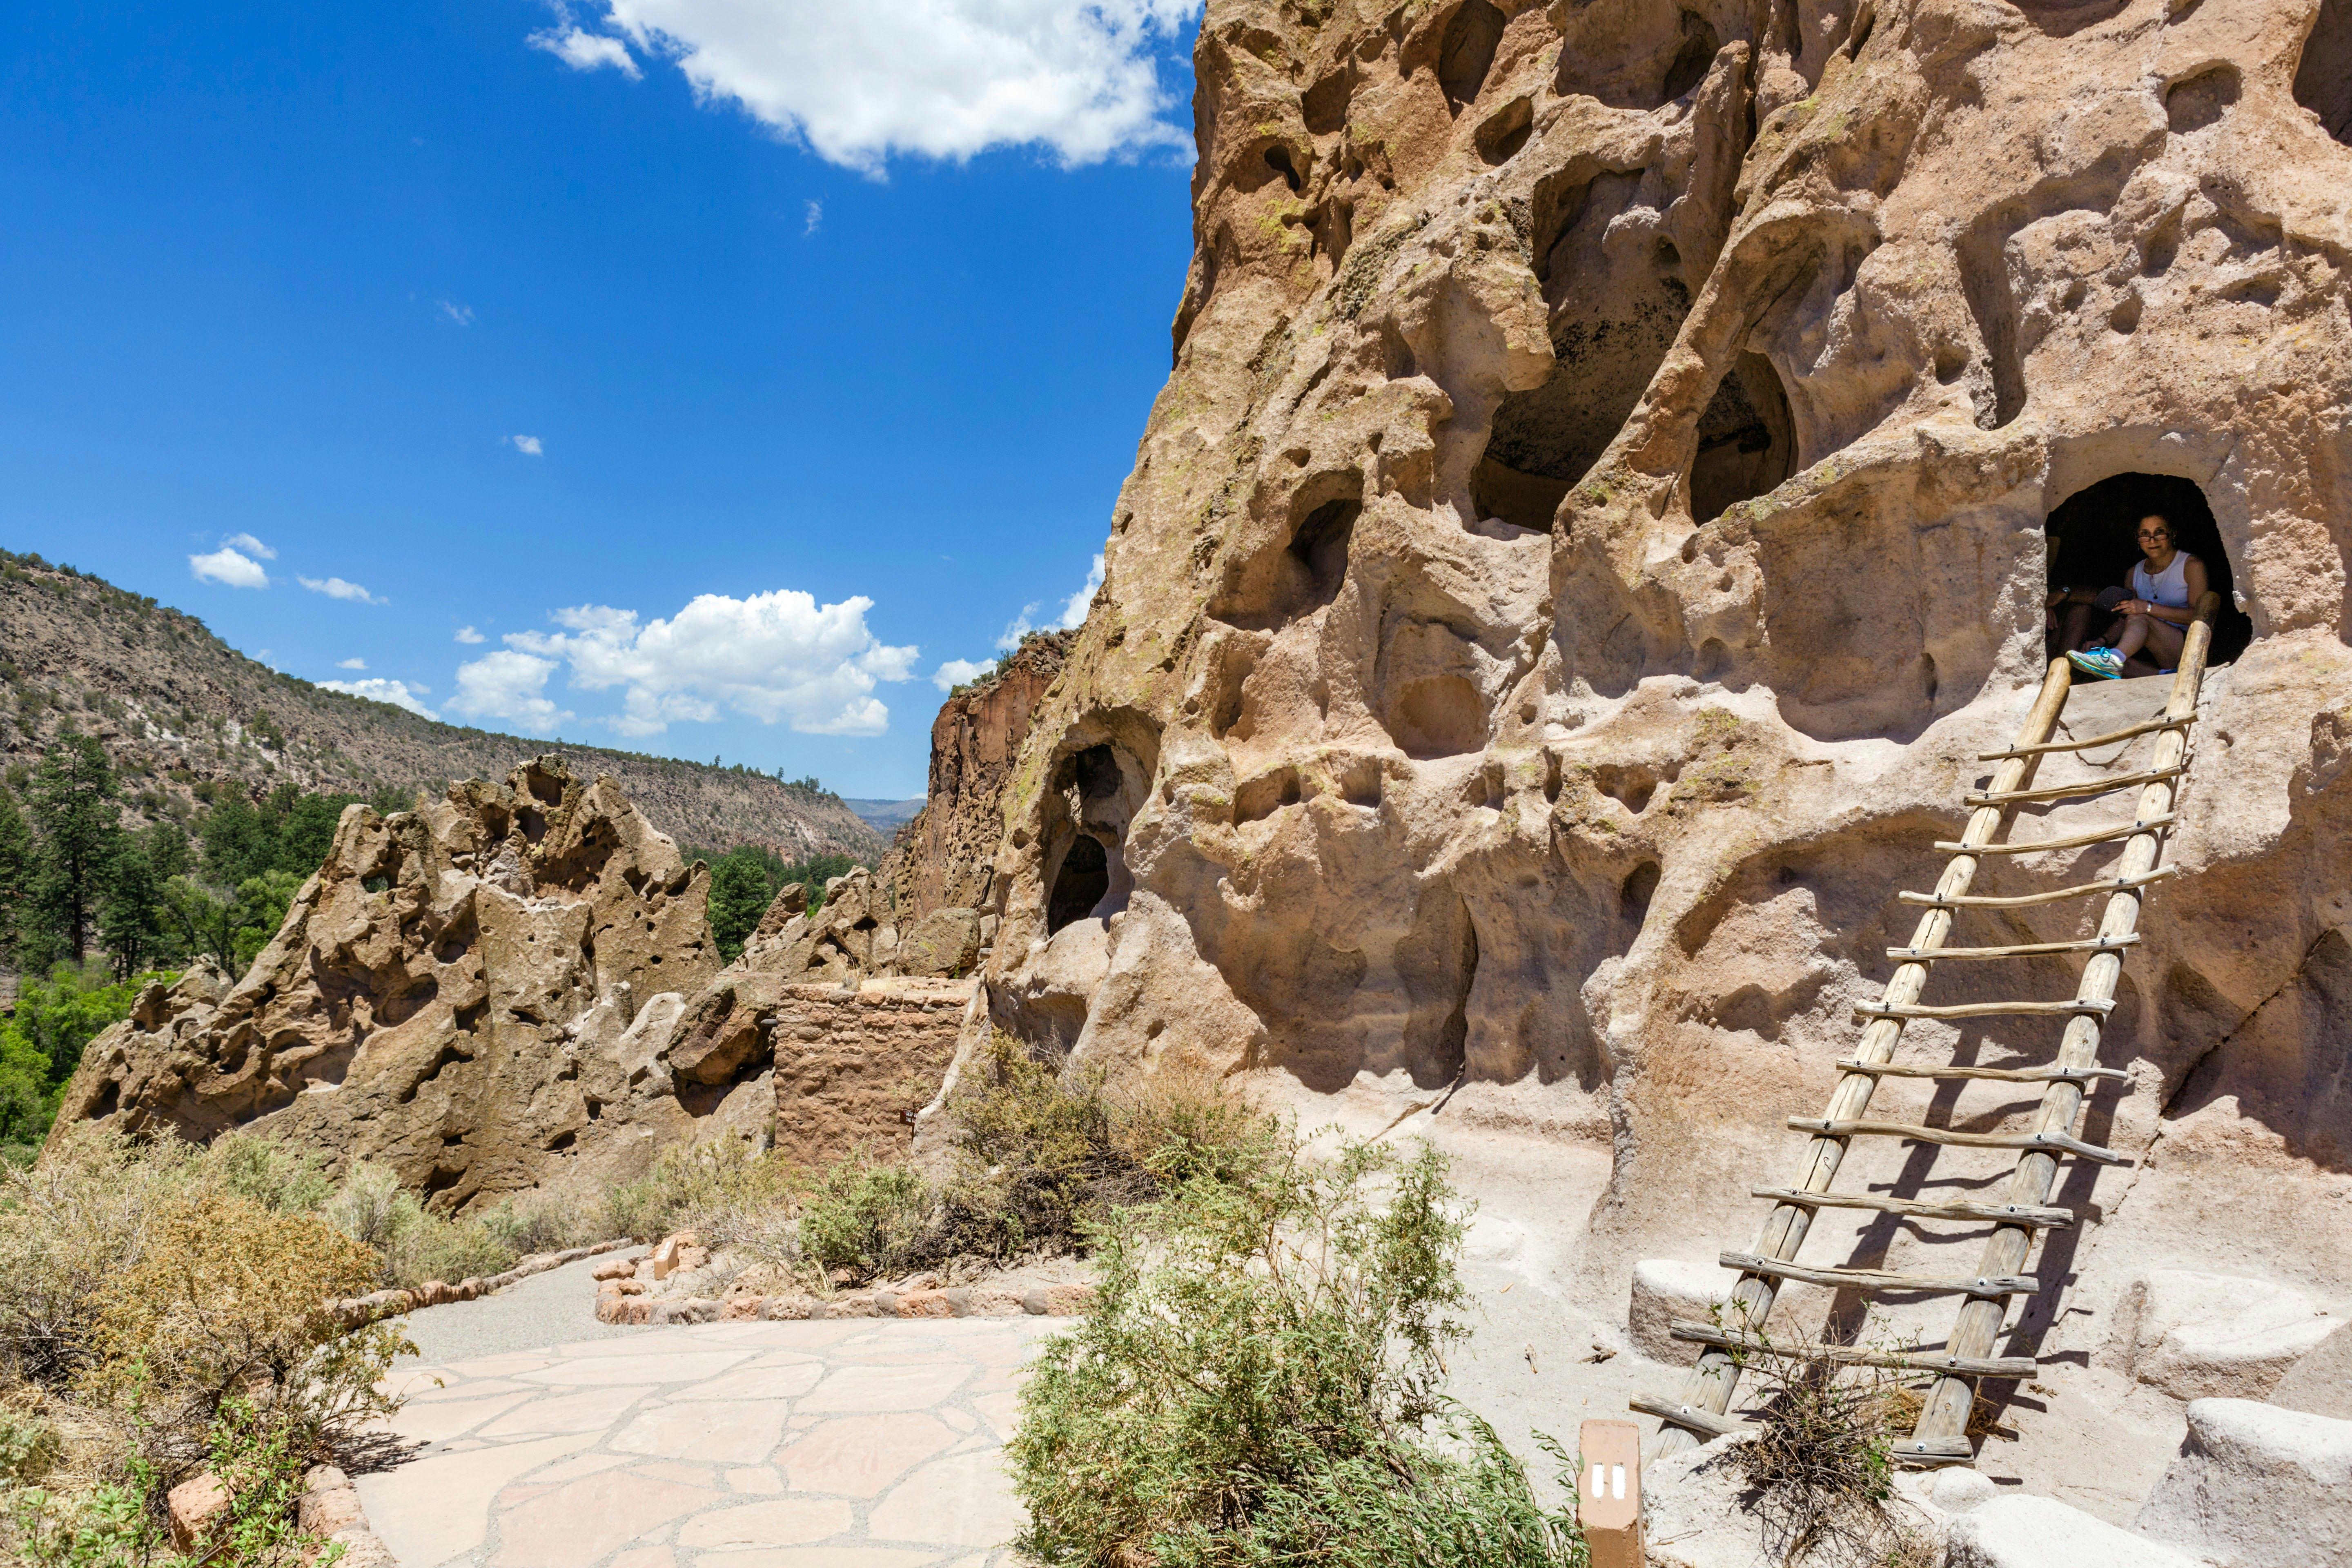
x=1260, y=1381
x=870, y=1219
x=414, y=1246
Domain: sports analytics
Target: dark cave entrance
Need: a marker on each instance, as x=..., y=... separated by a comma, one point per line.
x=1079, y=885
x=2091, y=546
x=2323, y=79
x=1746, y=441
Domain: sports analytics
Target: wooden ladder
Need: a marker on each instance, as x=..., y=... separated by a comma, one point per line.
x=1941, y=1436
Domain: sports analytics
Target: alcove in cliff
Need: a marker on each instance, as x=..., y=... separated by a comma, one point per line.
x=2092, y=544
x=2322, y=81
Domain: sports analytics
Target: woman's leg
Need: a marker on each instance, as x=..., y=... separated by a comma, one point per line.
x=2163, y=642
x=2135, y=634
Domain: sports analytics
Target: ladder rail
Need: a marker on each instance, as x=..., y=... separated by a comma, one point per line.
x=1707, y=1390
x=1944, y=1412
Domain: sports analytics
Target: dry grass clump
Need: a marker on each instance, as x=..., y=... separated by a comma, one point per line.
x=164, y=1312
x=1821, y=1463
x=414, y=1245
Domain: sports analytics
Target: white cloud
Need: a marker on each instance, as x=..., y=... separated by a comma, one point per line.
x=528, y=445
x=399, y=693
x=585, y=51
x=250, y=546
x=352, y=664
x=956, y=671
x=224, y=566
x=815, y=214
x=461, y=314
x=336, y=588
x=468, y=634
x=506, y=685
x=937, y=78
x=776, y=658
x=1073, y=611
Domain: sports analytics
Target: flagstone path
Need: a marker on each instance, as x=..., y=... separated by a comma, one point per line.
x=862, y=1444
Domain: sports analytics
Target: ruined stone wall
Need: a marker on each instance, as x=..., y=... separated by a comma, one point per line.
x=1593, y=523
x=853, y=1067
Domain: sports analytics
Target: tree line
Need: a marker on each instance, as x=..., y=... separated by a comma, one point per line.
x=746, y=879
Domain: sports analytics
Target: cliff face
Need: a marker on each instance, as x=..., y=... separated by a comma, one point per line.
x=946, y=857
x=1602, y=506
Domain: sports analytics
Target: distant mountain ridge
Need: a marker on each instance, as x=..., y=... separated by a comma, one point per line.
x=182, y=715
x=886, y=816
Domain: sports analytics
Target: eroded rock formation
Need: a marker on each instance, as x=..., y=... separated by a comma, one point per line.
x=1602, y=506
x=479, y=994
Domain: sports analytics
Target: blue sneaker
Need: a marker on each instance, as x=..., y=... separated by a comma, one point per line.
x=2103, y=662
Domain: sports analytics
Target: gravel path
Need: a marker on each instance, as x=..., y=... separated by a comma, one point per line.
x=558, y=1307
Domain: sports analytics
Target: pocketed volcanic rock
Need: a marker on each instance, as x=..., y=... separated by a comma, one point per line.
x=2257, y=1485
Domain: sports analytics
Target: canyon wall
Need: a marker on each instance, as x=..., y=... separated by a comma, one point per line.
x=1602, y=504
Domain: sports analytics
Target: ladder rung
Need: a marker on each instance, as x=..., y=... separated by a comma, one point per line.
x=2017, y=950
x=1919, y=1208
x=1998, y=1075
x=1932, y=1450
x=1706, y=1423
x=1884, y=1279
x=1984, y=1009
x=2074, y=841
x=2051, y=1141
x=1854, y=1355
x=2081, y=889
x=2110, y=738
x=2079, y=787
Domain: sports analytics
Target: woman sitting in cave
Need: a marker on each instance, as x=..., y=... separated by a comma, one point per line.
x=2152, y=610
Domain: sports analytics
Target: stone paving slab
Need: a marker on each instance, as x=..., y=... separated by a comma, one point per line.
x=863, y=1444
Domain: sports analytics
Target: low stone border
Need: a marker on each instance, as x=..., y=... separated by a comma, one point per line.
x=361, y=1310
x=329, y=1508
x=975, y=1301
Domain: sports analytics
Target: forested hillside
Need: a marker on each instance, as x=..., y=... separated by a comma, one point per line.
x=185, y=718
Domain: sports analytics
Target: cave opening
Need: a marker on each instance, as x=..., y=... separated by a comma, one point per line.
x=2322, y=81
x=2092, y=545
x=1746, y=441
x=1467, y=52
x=1079, y=885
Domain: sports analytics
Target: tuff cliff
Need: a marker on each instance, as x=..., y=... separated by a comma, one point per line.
x=1602, y=504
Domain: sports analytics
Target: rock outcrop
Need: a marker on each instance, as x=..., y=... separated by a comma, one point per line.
x=480, y=993
x=1615, y=461
x=946, y=857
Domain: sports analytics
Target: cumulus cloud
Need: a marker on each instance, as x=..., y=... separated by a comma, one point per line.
x=352, y=664
x=778, y=657
x=336, y=588
x=527, y=445
x=937, y=78
x=250, y=546
x=956, y=671
x=461, y=314
x=468, y=634
x=399, y=693
x=227, y=566
x=507, y=684
x=585, y=51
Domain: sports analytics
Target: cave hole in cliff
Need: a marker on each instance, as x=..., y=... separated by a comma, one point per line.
x=1277, y=158
x=1438, y=716
x=1467, y=52
x=1688, y=67
x=1505, y=132
x=1746, y=441
x=1272, y=587
x=2202, y=101
x=2323, y=82
x=1325, y=105
x=1080, y=883
x=2092, y=544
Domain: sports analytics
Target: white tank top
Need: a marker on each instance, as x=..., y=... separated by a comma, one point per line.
x=2168, y=587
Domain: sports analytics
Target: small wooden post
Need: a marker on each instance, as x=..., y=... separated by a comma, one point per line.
x=1609, y=1492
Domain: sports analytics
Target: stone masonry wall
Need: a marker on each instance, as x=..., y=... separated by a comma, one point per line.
x=854, y=1067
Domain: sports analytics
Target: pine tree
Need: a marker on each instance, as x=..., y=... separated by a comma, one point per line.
x=79, y=828
x=740, y=895
x=131, y=916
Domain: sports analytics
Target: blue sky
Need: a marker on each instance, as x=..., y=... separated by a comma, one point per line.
x=534, y=325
